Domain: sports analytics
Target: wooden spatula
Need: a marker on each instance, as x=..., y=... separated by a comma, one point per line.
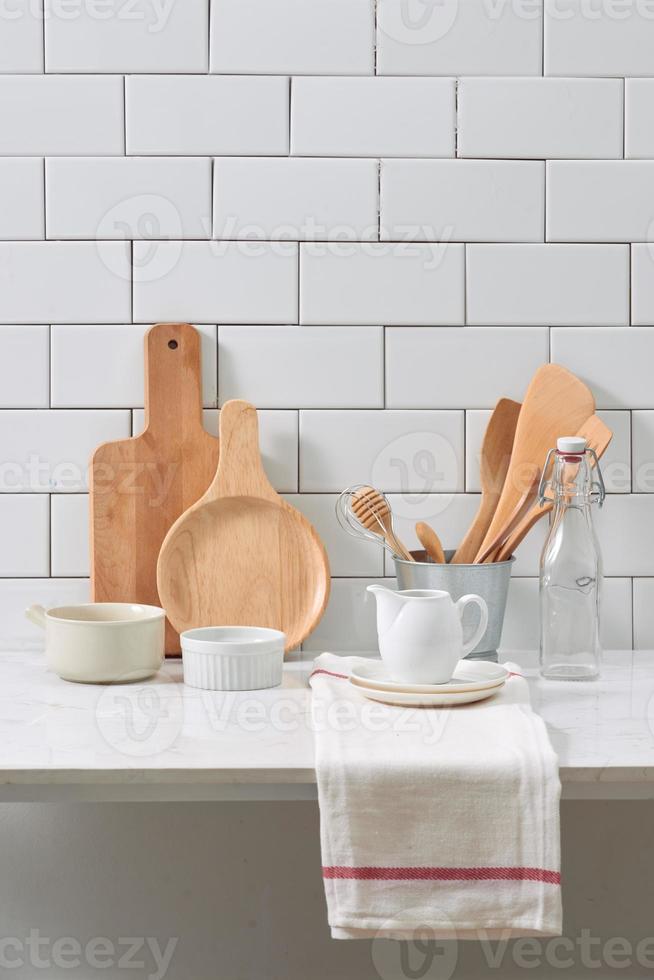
x=556, y=401
x=598, y=436
x=242, y=556
x=140, y=486
x=521, y=508
x=494, y=463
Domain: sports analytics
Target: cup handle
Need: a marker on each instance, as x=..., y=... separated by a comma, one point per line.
x=483, y=620
x=36, y=615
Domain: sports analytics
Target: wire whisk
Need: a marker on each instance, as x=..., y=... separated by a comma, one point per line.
x=365, y=512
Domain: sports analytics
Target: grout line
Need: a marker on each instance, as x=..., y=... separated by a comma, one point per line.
x=624, y=118
x=375, y=37
x=465, y=286
x=124, y=115
x=379, y=199
x=50, y=535
x=209, y=8
x=290, y=112
x=45, y=210
x=49, y=367
x=131, y=282
x=456, y=118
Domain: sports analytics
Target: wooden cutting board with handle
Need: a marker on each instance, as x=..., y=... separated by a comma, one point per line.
x=140, y=486
x=556, y=402
x=242, y=556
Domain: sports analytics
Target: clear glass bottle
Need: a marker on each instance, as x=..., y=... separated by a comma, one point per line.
x=571, y=565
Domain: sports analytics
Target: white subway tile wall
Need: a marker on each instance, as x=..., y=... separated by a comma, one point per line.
x=381, y=219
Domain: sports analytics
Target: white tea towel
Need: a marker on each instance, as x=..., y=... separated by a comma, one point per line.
x=445, y=819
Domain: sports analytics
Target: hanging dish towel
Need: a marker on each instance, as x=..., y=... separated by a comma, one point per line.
x=443, y=820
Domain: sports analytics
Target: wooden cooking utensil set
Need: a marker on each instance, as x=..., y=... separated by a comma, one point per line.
x=515, y=446
x=175, y=522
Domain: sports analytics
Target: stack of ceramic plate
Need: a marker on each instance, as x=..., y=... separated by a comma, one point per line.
x=472, y=681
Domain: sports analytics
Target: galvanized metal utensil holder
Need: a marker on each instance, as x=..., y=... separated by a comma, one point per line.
x=490, y=580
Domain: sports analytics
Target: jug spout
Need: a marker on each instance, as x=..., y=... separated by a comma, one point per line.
x=382, y=592
x=389, y=605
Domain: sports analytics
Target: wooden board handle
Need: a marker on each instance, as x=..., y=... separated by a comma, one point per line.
x=173, y=385
x=240, y=471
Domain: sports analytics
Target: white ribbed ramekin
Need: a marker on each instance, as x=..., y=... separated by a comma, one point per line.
x=233, y=658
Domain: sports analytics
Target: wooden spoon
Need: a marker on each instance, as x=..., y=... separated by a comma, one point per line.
x=495, y=457
x=556, y=401
x=242, y=556
x=430, y=542
x=373, y=511
x=598, y=436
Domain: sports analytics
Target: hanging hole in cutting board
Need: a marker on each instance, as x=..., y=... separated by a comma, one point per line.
x=173, y=344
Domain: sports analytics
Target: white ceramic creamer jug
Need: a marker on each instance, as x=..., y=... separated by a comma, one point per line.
x=420, y=633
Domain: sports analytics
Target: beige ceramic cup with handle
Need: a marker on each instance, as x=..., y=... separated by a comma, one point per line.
x=102, y=642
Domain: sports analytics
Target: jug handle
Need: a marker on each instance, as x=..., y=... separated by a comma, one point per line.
x=483, y=620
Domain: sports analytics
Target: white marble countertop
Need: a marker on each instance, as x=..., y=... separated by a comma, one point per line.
x=160, y=740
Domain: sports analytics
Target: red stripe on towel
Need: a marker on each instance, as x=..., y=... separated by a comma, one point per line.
x=443, y=874
x=330, y=673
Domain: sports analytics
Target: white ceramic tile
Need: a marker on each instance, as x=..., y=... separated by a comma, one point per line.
x=134, y=197
x=643, y=452
x=301, y=200
x=419, y=452
x=548, y=284
x=51, y=115
x=350, y=620
x=25, y=534
x=616, y=461
x=51, y=282
x=96, y=366
x=21, y=36
x=278, y=442
x=449, y=367
x=221, y=114
x=616, y=364
x=324, y=37
x=43, y=450
x=24, y=366
x=521, y=622
x=600, y=201
x=383, y=283
x=348, y=556
x=644, y=613
x=302, y=367
x=21, y=198
x=70, y=535
x=359, y=117
x=476, y=422
x=642, y=284
x=130, y=36
x=228, y=281
x=598, y=39
x=469, y=38
x=639, y=117
x=625, y=527
x=462, y=200
x=540, y=117
x=17, y=594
